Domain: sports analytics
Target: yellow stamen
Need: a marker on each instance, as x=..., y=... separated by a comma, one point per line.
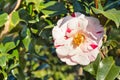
x=78, y=39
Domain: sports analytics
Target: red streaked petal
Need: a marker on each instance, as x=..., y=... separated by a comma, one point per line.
x=99, y=32
x=78, y=24
x=93, y=46
x=68, y=30
x=59, y=45
x=66, y=37
x=73, y=14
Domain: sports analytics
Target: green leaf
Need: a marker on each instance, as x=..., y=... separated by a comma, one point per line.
x=2, y=48
x=54, y=8
x=107, y=70
x=3, y=59
x=9, y=45
x=110, y=5
x=38, y=4
x=15, y=19
x=39, y=73
x=26, y=41
x=111, y=14
x=92, y=68
x=77, y=7
x=3, y=19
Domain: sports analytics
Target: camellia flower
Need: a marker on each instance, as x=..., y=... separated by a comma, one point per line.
x=77, y=39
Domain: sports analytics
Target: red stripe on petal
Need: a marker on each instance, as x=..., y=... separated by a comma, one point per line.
x=53, y=40
x=68, y=30
x=99, y=32
x=59, y=45
x=73, y=14
x=78, y=24
x=93, y=46
x=66, y=37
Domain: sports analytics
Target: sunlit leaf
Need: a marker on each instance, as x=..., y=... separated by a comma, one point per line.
x=15, y=19
x=107, y=70
x=111, y=14
x=3, y=19
x=9, y=45
x=92, y=68
x=3, y=59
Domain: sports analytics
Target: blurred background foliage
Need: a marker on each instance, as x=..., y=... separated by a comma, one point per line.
x=26, y=45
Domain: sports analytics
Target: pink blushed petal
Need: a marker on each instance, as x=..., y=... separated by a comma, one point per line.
x=78, y=24
x=93, y=46
x=60, y=22
x=62, y=51
x=75, y=51
x=81, y=59
x=92, y=55
x=68, y=61
x=82, y=23
x=91, y=58
x=95, y=28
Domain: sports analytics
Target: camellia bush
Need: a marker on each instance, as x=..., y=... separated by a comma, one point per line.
x=59, y=39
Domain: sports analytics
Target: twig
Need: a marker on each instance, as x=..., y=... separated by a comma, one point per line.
x=7, y=24
x=96, y=3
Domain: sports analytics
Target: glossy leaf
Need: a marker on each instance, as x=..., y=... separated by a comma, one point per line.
x=111, y=14
x=15, y=19
x=9, y=46
x=107, y=70
x=3, y=19
x=3, y=59
x=92, y=68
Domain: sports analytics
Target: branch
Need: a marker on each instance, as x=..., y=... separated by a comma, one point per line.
x=7, y=24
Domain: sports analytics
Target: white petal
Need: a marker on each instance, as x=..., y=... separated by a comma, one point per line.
x=68, y=61
x=95, y=27
x=81, y=59
x=57, y=31
x=63, y=50
x=83, y=22
x=73, y=23
x=75, y=51
x=93, y=54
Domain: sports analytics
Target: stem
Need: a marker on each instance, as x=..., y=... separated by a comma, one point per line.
x=7, y=24
x=96, y=3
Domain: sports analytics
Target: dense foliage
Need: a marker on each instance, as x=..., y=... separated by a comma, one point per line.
x=26, y=44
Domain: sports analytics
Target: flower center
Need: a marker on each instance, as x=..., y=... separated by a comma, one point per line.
x=78, y=39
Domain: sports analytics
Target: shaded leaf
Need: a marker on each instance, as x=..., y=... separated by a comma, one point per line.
x=55, y=8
